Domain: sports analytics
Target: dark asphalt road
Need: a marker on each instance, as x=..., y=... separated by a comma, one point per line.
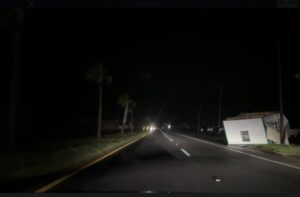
x=157, y=164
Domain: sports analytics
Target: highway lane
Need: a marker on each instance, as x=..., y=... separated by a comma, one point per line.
x=168, y=162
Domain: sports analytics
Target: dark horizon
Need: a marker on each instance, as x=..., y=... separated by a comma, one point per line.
x=169, y=65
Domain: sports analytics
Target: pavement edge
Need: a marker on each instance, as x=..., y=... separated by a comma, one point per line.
x=54, y=183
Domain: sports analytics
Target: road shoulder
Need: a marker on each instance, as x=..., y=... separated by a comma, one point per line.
x=288, y=161
x=52, y=184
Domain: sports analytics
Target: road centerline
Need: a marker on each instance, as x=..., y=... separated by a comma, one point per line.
x=171, y=140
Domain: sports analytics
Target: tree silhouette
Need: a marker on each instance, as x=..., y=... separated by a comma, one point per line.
x=97, y=73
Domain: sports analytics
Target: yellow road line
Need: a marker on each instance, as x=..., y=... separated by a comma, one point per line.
x=64, y=178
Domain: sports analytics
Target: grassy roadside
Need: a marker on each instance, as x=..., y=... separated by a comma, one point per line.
x=291, y=150
x=50, y=158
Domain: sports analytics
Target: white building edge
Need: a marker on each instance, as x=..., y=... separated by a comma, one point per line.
x=254, y=128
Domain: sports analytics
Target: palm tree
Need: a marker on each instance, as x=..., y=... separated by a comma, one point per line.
x=125, y=102
x=97, y=73
x=131, y=108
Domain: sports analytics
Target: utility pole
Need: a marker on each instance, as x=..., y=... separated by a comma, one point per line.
x=281, y=128
x=280, y=95
x=297, y=75
x=131, y=121
x=199, y=119
x=13, y=111
x=220, y=107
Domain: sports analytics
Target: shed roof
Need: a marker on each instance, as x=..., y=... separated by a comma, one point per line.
x=251, y=115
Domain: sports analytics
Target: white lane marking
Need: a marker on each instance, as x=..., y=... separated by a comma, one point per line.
x=237, y=151
x=167, y=137
x=185, y=152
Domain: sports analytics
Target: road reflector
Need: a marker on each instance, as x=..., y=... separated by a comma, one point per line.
x=216, y=179
x=148, y=192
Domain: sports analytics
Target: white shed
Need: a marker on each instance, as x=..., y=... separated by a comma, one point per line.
x=254, y=128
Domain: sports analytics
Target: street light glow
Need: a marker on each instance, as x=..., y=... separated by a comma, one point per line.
x=152, y=128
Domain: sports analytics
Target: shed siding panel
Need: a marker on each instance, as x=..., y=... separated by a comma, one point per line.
x=254, y=127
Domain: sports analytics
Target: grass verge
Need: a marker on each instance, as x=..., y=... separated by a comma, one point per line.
x=55, y=157
x=291, y=150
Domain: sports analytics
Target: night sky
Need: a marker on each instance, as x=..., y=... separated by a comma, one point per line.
x=168, y=62
x=145, y=3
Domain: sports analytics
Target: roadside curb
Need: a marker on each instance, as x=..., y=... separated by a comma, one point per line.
x=100, y=158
